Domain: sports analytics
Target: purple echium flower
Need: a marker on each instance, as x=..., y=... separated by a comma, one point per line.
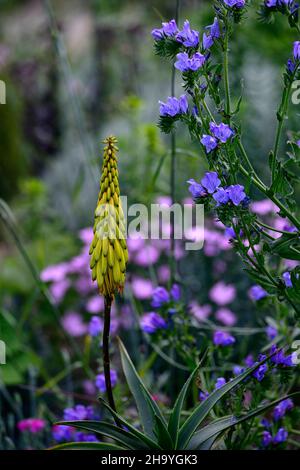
x=260, y=373
x=221, y=196
x=266, y=438
x=271, y=3
x=79, y=412
x=297, y=50
x=174, y=106
x=235, y=3
x=151, y=322
x=223, y=338
x=196, y=189
x=95, y=326
x=175, y=292
x=280, y=436
x=287, y=279
x=207, y=41
x=100, y=380
x=290, y=66
x=185, y=63
x=187, y=36
x=168, y=29
x=219, y=383
x=281, y=409
x=257, y=293
x=236, y=194
x=209, y=142
x=222, y=132
x=271, y=332
x=160, y=296
x=214, y=33
x=210, y=181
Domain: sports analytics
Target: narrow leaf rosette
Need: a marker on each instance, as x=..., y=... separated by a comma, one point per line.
x=108, y=249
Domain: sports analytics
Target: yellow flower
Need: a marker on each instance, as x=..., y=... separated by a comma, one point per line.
x=108, y=249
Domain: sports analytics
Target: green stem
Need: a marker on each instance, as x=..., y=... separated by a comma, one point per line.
x=226, y=75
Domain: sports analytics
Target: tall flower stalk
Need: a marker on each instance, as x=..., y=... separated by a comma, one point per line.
x=108, y=249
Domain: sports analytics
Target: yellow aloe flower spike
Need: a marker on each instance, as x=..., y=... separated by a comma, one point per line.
x=108, y=249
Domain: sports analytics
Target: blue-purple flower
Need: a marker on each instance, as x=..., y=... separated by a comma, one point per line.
x=151, y=322
x=297, y=50
x=160, y=297
x=209, y=142
x=236, y=194
x=223, y=338
x=196, y=189
x=281, y=409
x=280, y=436
x=214, y=33
x=221, y=196
x=100, y=380
x=95, y=326
x=185, y=63
x=266, y=438
x=256, y=292
x=187, y=36
x=79, y=412
x=175, y=292
x=222, y=132
x=174, y=106
x=219, y=383
x=260, y=373
x=168, y=29
x=271, y=332
x=210, y=181
x=287, y=279
x=235, y=3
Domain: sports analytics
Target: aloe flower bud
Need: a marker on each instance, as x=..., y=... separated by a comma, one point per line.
x=108, y=249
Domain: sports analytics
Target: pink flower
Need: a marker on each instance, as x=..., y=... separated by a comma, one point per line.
x=86, y=235
x=222, y=294
x=142, y=288
x=135, y=244
x=73, y=324
x=164, y=201
x=95, y=304
x=54, y=273
x=226, y=316
x=201, y=312
x=58, y=290
x=163, y=273
x=32, y=425
x=264, y=207
x=147, y=256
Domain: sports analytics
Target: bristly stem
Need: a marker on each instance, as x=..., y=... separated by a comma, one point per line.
x=173, y=173
x=105, y=351
x=226, y=75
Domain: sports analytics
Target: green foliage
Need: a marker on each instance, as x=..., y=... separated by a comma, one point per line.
x=177, y=433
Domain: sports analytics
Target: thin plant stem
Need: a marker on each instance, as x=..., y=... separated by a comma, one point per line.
x=105, y=351
x=226, y=76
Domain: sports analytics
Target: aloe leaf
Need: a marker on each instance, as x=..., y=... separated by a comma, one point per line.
x=191, y=424
x=149, y=442
x=174, y=419
x=126, y=438
x=146, y=405
x=162, y=434
x=87, y=446
x=211, y=431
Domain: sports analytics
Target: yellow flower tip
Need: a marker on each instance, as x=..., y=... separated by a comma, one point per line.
x=108, y=250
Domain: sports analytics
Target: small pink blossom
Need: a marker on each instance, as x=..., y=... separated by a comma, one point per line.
x=142, y=288
x=200, y=312
x=33, y=425
x=222, y=294
x=226, y=316
x=95, y=304
x=73, y=324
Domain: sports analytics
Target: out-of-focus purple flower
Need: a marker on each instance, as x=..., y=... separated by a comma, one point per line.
x=148, y=256
x=222, y=294
x=222, y=132
x=265, y=423
x=298, y=143
x=54, y=273
x=142, y=288
x=263, y=207
x=249, y=361
x=203, y=396
x=84, y=437
x=297, y=50
x=163, y=273
x=175, y=292
x=266, y=439
x=174, y=106
x=187, y=36
x=280, y=436
x=168, y=29
x=235, y=3
x=219, y=383
x=95, y=304
x=185, y=63
x=223, y=338
x=207, y=41
x=151, y=322
x=260, y=373
x=290, y=66
x=237, y=370
x=271, y=3
x=281, y=409
x=287, y=279
x=33, y=425
x=95, y=326
x=209, y=142
x=100, y=380
x=160, y=297
x=79, y=413
x=196, y=189
x=257, y=293
x=73, y=324
x=201, y=312
x=86, y=235
x=236, y=194
x=271, y=332
x=58, y=290
x=221, y=196
x=210, y=181
x=61, y=433
x=226, y=316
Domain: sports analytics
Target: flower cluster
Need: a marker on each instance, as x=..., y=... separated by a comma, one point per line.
x=184, y=63
x=174, y=106
x=32, y=425
x=187, y=36
x=220, y=135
